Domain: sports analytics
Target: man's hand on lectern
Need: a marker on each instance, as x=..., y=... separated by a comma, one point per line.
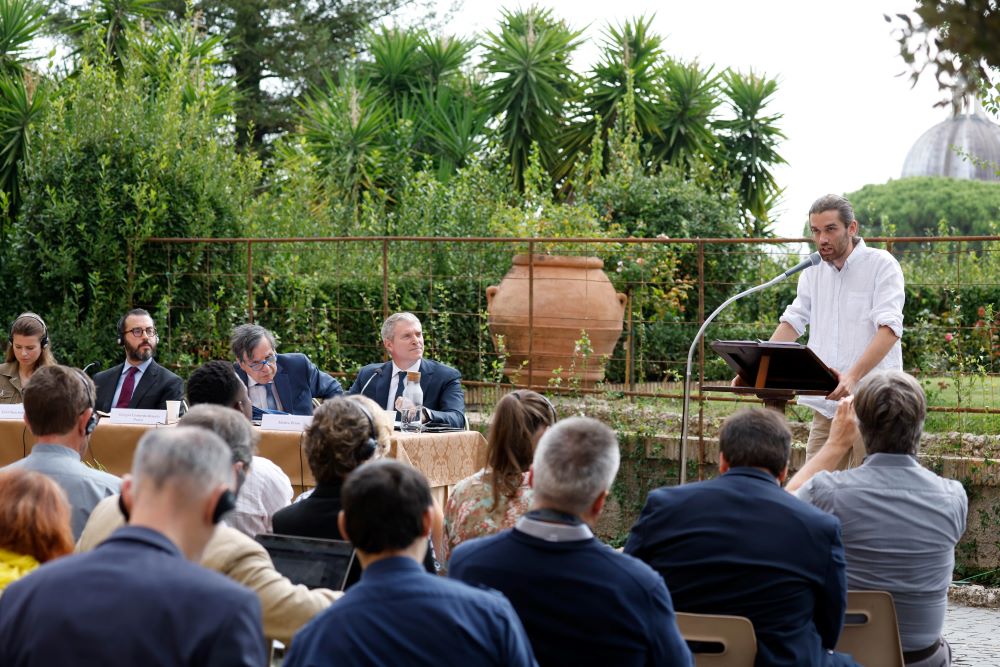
x=844, y=388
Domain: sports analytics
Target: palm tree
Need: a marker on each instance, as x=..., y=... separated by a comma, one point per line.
x=685, y=131
x=532, y=83
x=22, y=98
x=628, y=50
x=750, y=141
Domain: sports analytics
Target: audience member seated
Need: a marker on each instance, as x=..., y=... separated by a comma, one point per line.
x=266, y=488
x=495, y=497
x=279, y=383
x=59, y=411
x=34, y=523
x=137, y=599
x=581, y=602
x=740, y=545
x=900, y=521
x=27, y=351
x=403, y=339
x=344, y=434
x=139, y=383
x=286, y=607
x=397, y=614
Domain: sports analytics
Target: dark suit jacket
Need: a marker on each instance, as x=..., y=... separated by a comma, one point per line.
x=156, y=386
x=316, y=516
x=444, y=399
x=134, y=600
x=298, y=382
x=741, y=545
x=581, y=602
x=400, y=615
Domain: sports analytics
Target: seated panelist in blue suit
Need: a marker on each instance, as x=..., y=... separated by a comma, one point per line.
x=277, y=383
x=403, y=339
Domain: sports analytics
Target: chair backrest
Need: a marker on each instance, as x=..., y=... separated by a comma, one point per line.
x=719, y=641
x=313, y=562
x=871, y=633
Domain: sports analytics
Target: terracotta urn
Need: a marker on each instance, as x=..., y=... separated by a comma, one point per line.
x=571, y=295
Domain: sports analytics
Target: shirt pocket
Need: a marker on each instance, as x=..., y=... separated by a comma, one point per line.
x=859, y=306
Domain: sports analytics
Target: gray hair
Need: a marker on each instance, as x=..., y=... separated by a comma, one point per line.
x=246, y=337
x=389, y=326
x=189, y=456
x=230, y=425
x=891, y=407
x=575, y=461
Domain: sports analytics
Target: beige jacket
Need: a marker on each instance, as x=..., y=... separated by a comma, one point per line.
x=286, y=606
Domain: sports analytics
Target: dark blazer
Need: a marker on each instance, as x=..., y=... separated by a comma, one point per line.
x=298, y=382
x=399, y=615
x=156, y=386
x=444, y=399
x=134, y=600
x=741, y=545
x=581, y=602
x=316, y=516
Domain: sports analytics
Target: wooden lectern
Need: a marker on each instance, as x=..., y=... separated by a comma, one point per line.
x=775, y=372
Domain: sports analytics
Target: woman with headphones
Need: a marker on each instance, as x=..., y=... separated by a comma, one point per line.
x=345, y=433
x=27, y=351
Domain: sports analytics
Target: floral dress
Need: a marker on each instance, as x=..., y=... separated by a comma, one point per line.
x=469, y=512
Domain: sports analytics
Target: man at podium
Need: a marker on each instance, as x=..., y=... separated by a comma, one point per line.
x=852, y=305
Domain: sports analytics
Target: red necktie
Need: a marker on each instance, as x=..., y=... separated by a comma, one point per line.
x=128, y=386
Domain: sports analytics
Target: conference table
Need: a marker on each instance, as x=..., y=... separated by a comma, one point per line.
x=444, y=458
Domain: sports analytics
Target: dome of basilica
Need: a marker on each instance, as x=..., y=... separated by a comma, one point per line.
x=935, y=154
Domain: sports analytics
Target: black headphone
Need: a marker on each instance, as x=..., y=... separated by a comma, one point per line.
x=44, y=340
x=91, y=403
x=120, y=330
x=371, y=444
x=227, y=503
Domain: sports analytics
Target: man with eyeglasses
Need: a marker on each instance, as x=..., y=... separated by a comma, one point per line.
x=278, y=383
x=139, y=383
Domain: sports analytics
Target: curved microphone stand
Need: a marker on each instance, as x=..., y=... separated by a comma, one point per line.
x=812, y=260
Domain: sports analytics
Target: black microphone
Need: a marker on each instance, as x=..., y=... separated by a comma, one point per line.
x=811, y=260
x=378, y=371
x=89, y=366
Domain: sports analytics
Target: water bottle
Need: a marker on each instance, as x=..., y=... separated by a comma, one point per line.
x=413, y=403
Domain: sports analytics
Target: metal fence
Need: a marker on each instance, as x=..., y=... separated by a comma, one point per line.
x=327, y=297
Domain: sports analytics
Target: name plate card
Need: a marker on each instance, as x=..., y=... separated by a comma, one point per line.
x=269, y=422
x=12, y=411
x=130, y=416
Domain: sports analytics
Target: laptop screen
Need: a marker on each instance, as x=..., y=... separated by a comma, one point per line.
x=313, y=562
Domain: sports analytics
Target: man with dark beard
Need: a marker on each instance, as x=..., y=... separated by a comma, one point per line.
x=139, y=382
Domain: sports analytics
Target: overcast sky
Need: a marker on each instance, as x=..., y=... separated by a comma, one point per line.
x=849, y=118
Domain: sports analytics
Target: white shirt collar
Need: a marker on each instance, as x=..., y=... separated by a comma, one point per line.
x=412, y=369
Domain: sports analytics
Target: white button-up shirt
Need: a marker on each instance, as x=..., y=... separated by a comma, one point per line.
x=844, y=309
x=390, y=403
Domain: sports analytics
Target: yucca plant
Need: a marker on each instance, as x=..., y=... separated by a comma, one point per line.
x=750, y=141
x=686, y=134
x=531, y=85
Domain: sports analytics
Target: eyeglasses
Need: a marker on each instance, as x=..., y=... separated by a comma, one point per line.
x=138, y=331
x=269, y=360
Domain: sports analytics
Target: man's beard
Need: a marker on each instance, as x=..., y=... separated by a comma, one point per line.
x=135, y=354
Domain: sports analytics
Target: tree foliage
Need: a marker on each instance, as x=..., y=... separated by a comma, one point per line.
x=928, y=206
x=119, y=157
x=957, y=40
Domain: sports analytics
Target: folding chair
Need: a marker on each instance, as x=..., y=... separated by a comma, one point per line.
x=719, y=641
x=871, y=633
